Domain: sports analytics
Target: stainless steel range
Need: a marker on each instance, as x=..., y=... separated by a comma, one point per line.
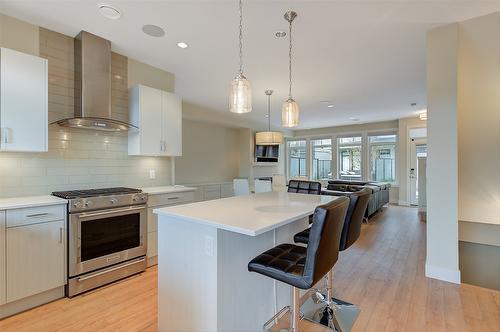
x=107, y=236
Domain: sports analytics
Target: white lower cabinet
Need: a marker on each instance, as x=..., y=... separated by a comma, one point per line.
x=2, y=258
x=155, y=202
x=35, y=259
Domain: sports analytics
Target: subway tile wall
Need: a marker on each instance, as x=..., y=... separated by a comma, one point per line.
x=77, y=158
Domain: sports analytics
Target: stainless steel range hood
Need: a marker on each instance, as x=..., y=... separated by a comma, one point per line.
x=93, y=86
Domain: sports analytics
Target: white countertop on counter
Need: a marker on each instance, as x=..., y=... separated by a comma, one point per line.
x=30, y=201
x=251, y=214
x=166, y=189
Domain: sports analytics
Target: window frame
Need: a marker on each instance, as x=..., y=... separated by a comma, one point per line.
x=332, y=161
x=287, y=155
x=396, y=152
x=362, y=149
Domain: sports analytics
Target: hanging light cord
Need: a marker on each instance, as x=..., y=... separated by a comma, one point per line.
x=290, y=61
x=241, y=37
x=269, y=112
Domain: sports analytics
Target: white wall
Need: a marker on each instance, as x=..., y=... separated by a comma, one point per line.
x=442, y=183
x=209, y=153
x=479, y=120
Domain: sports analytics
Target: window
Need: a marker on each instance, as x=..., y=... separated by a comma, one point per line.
x=321, y=159
x=297, y=154
x=349, y=157
x=382, y=158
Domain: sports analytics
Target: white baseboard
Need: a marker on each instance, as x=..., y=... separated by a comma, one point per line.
x=436, y=272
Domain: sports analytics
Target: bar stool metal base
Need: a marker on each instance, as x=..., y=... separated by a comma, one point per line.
x=344, y=314
x=281, y=322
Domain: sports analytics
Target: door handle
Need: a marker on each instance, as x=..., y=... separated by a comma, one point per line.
x=96, y=214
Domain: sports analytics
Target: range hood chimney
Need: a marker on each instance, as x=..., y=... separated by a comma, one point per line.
x=93, y=86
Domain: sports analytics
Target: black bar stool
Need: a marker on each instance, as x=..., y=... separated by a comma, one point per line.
x=304, y=187
x=302, y=267
x=350, y=233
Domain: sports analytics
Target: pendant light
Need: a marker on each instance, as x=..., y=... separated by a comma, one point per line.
x=268, y=137
x=290, y=110
x=240, y=100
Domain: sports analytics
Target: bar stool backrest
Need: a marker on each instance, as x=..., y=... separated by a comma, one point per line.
x=304, y=187
x=324, y=239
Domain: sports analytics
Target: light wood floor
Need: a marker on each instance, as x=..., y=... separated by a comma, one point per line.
x=383, y=273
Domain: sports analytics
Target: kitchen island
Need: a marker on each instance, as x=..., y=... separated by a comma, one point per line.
x=203, y=252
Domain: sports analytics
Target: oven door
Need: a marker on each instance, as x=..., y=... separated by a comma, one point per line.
x=102, y=238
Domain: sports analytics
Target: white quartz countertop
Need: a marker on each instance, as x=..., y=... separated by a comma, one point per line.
x=250, y=215
x=166, y=190
x=30, y=201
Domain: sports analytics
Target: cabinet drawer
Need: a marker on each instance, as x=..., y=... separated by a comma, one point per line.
x=211, y=192
x=170, y=199
x=35, y=215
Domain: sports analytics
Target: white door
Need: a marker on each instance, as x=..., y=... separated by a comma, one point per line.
x=172, y=124
x=2, y=257
x=151, y=121
x=35, y=259
x=23, y=101
x=417, y=148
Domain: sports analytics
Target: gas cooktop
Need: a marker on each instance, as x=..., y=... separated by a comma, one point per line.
x=72, y=194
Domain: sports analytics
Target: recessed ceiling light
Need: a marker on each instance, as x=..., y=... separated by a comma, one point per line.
x=330, y=106
x=354, y=119
x=153, y=30
x=109, y=11
x=182, y=45
x=280, y=34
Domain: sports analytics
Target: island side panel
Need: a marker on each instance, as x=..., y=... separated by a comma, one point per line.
x=187, y=276
x=246, y=299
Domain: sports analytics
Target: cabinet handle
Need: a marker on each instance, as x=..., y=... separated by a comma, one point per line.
x=37, y=215
x=169, y=198
x=60, y=235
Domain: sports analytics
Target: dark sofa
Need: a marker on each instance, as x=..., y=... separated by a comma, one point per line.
x=379, y=192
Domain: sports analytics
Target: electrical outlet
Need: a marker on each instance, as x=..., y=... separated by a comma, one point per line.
x=209, y=245
x=152, y=174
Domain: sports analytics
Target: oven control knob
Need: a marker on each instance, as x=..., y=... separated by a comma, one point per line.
x=113, y=201
x=88, y=204
x=77, y=204
x=143, y=198
x=135, y=199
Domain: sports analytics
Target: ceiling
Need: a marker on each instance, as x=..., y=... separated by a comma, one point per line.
x=365, y=57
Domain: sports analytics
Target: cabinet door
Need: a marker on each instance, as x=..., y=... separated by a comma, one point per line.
x=23, y=101
x=151, y=121
x=2, y=257
x=172, y=124
x=35, y=259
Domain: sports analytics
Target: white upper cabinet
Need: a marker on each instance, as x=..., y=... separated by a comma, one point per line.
x=158, y=115
x=23, y=102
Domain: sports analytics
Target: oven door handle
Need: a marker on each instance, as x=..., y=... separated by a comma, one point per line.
x=103, y=213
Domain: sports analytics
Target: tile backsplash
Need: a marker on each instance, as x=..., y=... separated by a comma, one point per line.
x=78, y=158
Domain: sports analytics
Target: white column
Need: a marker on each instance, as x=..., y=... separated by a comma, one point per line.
x=442, y=180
